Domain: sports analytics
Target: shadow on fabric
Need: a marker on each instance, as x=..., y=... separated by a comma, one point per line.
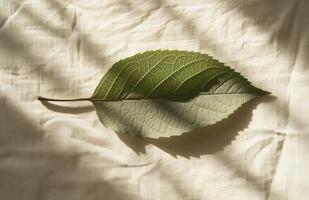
x=201, y=141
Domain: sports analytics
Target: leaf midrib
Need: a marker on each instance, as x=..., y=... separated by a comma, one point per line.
x=168, y=98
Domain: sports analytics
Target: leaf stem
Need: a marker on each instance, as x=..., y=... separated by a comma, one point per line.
x=50, y=99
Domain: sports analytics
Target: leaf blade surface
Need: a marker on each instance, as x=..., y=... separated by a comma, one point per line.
x=164, y=93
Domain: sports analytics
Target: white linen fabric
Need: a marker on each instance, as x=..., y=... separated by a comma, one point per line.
x=62, y=48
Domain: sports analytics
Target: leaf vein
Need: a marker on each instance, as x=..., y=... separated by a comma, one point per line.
x=173, y=74
x=132, y=89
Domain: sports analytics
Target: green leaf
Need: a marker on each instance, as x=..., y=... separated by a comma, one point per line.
x=164, y=93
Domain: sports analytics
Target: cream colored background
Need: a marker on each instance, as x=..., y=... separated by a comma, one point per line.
x=62, y=48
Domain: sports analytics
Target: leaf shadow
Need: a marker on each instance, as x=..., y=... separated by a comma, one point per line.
x=67, y=109
x=200, y=141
